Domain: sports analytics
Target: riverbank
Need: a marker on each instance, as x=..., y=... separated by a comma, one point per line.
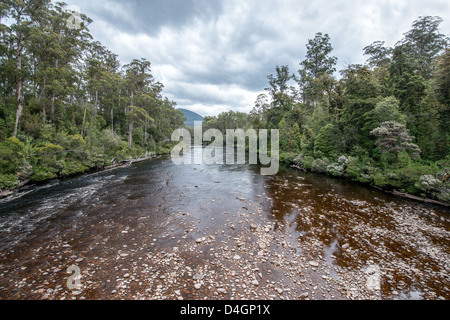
x=386, y=190
x=160, y=231
x=27, y=184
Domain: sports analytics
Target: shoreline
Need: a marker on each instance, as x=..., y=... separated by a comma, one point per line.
x=27, y=184
x=392, y=192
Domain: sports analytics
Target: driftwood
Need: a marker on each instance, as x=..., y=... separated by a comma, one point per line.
x=413, y=197
x=297, y=167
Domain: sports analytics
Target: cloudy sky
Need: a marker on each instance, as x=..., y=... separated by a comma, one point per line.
x=215, y=55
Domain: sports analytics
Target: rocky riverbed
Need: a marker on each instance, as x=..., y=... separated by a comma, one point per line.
x=177, y=234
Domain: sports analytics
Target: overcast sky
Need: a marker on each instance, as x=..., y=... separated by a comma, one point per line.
x=214, y=55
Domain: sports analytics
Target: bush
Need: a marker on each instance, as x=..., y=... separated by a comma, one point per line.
x=11, y=156
x=73, y=167
x=434, y=188
x=320, y=165
x=7, y=181
x=49, y=161
x=336, y=169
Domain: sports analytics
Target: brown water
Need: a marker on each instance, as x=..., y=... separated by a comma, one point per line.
x=159, y=231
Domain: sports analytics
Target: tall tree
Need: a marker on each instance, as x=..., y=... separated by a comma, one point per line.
x=318, y=62
x=426, y=42
x=379, y=55
x=25, y=16
x=138, y=79
x=279, y=91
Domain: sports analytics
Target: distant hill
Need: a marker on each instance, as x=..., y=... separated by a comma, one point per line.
x=191, y=117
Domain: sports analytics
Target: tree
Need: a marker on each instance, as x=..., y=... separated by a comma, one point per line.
x=279, y=91
x=379, y=54
x=25, y=15
x=138, y=78
x=441, y=79
x=425, y=43
x=325, y=144
x=394, y=137
x=362, y=93
x=318, y=62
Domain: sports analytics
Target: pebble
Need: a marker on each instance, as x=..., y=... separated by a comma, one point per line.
x=304, y=295
x=197, y=286
x=313, y=263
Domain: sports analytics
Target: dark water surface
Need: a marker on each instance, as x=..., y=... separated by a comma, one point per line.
x=155, y=230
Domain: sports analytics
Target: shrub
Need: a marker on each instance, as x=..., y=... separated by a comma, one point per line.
x=434, y=188
x=336, y=169
x=7, y=181
x=320, y=165
x=11, y=156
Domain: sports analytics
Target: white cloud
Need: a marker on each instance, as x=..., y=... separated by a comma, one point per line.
x=218, y=62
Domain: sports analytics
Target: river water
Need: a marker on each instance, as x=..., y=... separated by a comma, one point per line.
x=155, y=230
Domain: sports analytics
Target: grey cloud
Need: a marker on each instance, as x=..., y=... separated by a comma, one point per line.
x=238, y=43
x=150, y=16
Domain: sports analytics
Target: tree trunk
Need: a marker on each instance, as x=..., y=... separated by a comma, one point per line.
x=19, y=93
x=130, y=133
x=52, y=107
x=96, y=103
x=112, y=118
x=84, y=119
x=145, y=132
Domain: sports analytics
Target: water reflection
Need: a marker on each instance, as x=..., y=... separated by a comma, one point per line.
x=351, y=240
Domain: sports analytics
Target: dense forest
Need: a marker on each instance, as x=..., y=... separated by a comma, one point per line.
x=385, y=122
x=67, y=103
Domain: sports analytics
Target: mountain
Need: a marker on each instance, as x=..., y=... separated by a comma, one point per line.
x=191, y=117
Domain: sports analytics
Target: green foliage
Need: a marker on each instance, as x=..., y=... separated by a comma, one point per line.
x=11, y=156
x=7, y=181
x=326, y=142
x=76, y=108
x=320, y=165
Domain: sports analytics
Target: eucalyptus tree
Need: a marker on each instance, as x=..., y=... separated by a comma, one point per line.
x=25, y=15
x=138, y=79
x=426, y=43
x=318, y=62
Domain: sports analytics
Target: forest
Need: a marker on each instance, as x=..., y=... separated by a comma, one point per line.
x=68, y=105
x=385, y=122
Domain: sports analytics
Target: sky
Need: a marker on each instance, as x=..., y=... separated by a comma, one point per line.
x=215, y=55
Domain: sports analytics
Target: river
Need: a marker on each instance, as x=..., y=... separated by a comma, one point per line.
x=156, y=230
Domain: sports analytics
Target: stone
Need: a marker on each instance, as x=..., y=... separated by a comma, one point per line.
x=304, y=295
x=313, y=263
x=197, y=286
